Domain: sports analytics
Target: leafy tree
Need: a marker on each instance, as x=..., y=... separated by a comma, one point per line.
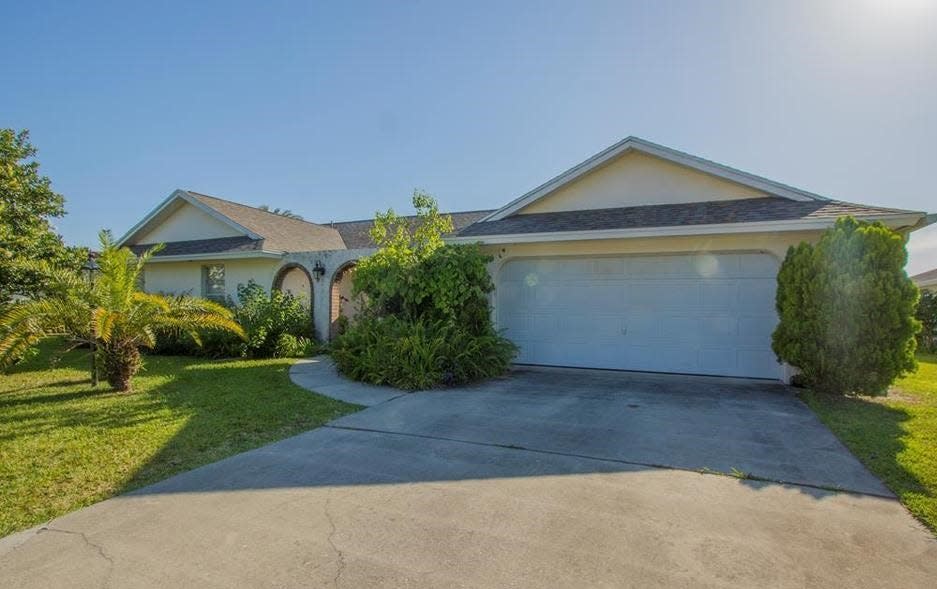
x=927, y=315
x=109, y=312
x=27, y=203
x=425, y=318
x=282, y=212
x=390, y=278
x=846, y=309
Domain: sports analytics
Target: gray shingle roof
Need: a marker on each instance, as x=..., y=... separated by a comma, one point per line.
x=356, y=234
x=218, y=245
x=669, y=215
x=279, y=233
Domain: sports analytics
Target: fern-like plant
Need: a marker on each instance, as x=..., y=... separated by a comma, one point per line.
x=109, y=311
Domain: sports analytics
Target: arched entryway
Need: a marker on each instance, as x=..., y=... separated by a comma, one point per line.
x=340, y=298
x=295, y=279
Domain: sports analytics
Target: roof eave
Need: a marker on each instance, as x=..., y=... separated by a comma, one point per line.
x=896, y=221
x=217, y=256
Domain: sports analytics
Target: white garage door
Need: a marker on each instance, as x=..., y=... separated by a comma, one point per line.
x=693, y=314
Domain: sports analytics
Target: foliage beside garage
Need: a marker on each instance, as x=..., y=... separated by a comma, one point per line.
x=846, y=309
x=425, y=318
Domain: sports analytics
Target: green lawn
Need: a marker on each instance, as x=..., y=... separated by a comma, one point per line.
x=64, y=445
x=895, y=436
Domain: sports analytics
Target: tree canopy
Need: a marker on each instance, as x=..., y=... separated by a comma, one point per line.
x=27, y=206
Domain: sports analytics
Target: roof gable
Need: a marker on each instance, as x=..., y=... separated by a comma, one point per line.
x=659, y=171
x=190, y=216
x=637, y=179
x=183, y=222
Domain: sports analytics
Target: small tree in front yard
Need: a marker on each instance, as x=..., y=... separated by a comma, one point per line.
x=110, y=312
x=846, y=309
x=425, y=318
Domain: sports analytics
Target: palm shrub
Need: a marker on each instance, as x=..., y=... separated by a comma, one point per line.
x=846, y=309
x=109, y=311
x=424, y=315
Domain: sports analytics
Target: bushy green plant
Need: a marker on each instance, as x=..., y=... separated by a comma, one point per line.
x=927, y=315
x=277, y=325
x=293, y=346
x=846, y=309
x=416, y=355
x=424, y=317
x=265, y=316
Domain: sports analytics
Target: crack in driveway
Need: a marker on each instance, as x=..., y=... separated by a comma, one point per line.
x=97, y=548
x=331, y=539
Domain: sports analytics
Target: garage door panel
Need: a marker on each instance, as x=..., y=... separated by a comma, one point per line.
x=701, y=313
x=755, y=326
x=718, y=360
x=597, y=328
x=719, y=326
x=608, y=268
x=679, y=328
x=763, y=266
x=718, y=294
x=757, y=295
x=671, y=294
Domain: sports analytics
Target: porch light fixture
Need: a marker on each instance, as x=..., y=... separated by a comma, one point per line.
x=318, y=270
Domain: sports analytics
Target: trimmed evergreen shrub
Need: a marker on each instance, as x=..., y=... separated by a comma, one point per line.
x=846, y=309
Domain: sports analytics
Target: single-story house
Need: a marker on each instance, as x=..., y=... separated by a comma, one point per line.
x=926, y=280
x=641, y=257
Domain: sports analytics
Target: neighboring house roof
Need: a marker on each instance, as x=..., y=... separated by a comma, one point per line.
x=751, y=210
x=928, y=278
x=356, y=234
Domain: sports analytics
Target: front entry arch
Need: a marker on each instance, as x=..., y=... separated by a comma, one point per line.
x=295, y=280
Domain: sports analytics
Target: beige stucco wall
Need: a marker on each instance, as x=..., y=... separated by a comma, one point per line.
x=188, y=223
x=638, y=179
x=186, y=277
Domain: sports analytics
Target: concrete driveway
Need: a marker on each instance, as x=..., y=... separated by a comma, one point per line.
x=548, y=478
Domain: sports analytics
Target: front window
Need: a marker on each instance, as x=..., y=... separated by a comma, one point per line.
x=213, y=282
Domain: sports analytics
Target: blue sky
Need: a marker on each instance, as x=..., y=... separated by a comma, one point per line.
x=337, y=109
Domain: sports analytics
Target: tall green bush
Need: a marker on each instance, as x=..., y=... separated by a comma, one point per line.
x=424, y=317
x=846, y=309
